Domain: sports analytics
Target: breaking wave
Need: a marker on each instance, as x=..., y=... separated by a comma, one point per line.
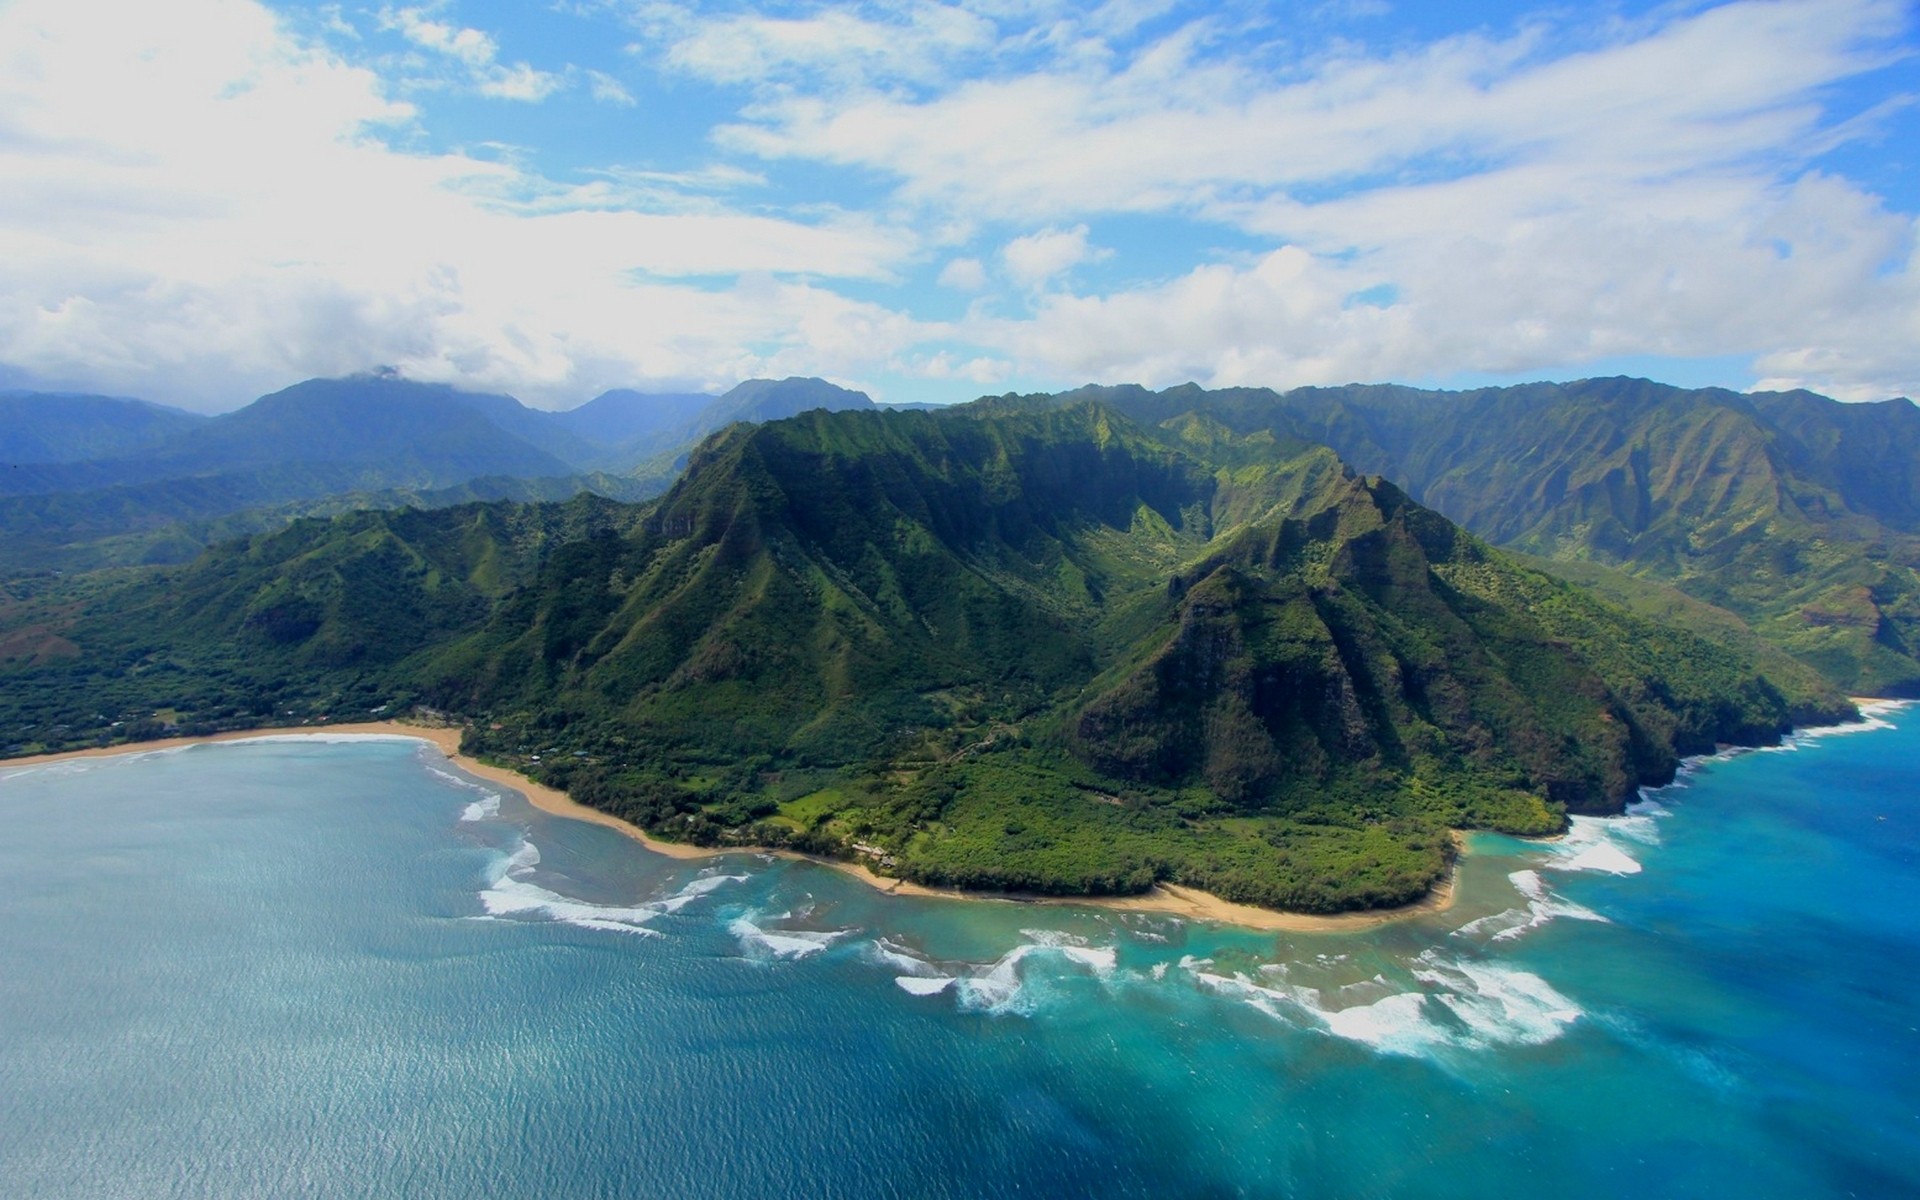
x=1461, y=1005
x=510, y=895
x=1543, y=907
x=1589, y=846
x=760, y=942
x=1003, y=986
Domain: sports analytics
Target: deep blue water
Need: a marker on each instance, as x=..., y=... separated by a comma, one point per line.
x=299, y=968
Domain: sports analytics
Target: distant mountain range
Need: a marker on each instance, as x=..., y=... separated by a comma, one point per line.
x=93, y=480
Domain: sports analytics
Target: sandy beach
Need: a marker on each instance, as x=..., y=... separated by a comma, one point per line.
x=1163, y=900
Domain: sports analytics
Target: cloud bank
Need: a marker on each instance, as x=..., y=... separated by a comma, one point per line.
x=210, y=199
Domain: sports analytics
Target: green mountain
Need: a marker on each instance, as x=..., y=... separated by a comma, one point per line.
x=1015, y=645
x=1800, y=514
x=174, y=520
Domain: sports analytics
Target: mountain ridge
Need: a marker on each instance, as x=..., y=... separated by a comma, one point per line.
x=1799, y=513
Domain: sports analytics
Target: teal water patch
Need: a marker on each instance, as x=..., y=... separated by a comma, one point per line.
x=290, y=968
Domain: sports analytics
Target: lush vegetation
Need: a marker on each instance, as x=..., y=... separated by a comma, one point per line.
x=1018, y=645
x=1797, y=513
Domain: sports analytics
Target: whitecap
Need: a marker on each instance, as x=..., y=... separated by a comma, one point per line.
x=1601, y=857
x=1588, y=846
x=510, y=897
x=1503, y=1006
x=782, y=943
x=1101, y=959
x=1398, y=1024
x=525, y=857
x=997, y=989
x=1873, y=715
x=1542, y=907
x=483, y=809
x=1467, y=1006
x=894, y=956
x=1000, y=987
x=509, y=894
x=694, y=890
x=1495, y=925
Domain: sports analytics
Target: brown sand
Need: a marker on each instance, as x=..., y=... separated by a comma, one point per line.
x=1165, y=899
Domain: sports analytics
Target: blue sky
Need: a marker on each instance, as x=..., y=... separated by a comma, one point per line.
x=210, y=199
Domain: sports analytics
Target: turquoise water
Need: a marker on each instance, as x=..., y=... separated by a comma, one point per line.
x=300, y=968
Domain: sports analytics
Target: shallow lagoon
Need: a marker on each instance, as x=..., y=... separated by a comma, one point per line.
x=293, y=967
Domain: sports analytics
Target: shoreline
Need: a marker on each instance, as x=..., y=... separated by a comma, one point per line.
x=1165, y=899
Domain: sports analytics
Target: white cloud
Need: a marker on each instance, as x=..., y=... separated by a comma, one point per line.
x=608, y=90
x=1550, y=197
x=470, y=46
x=980, y=370
x=475, y=50
x=201, y=218
x=1034, y=259
x=518, y=82
x=964, y=274
x=908, y=41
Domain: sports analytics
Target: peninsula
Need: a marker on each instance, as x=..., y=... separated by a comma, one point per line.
x=1021, y=646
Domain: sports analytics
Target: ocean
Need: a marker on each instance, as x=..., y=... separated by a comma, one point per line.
x=304, y=967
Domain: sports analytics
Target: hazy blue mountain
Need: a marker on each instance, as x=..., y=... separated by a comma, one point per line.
x=66, y=427
x=773, y=399
x=367, y=430
x=96, y=481
x=624, y=421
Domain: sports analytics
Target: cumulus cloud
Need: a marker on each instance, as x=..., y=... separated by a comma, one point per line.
x=476, y=51
x=608, y=90
x=1553, y=196
x=915, y=41
x=202, y=218
x=1034, y=259
x=964, y=274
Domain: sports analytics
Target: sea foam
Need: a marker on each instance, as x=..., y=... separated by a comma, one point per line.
x=1002, y=986
x=1466, y=1005
x=510, y=895
x=782, y=943
x=1589, y=846
x=1542, y=907
x=484, y=809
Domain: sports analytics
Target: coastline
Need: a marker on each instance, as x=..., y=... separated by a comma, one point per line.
x=1164, y=899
